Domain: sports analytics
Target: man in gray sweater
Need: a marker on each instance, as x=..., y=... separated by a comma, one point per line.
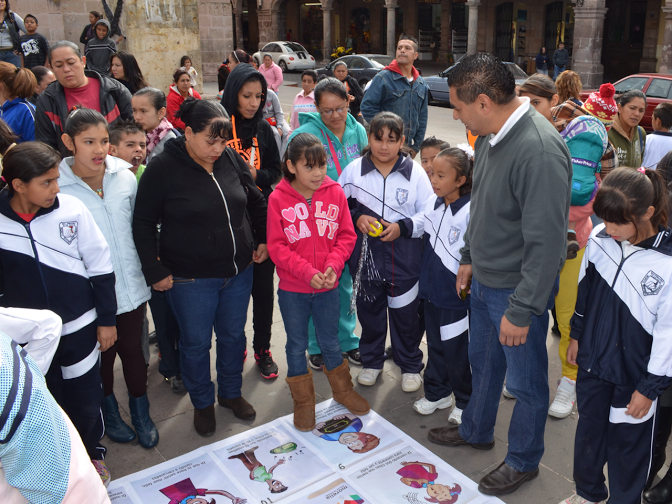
x=515, y=248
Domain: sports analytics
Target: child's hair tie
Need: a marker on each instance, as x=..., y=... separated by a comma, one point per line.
x=641, y=169
x=466, y=148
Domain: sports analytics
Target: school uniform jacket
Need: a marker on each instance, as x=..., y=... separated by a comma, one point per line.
x=444, y=237
x=623, y=318
x=402, y=197
x=58, y=261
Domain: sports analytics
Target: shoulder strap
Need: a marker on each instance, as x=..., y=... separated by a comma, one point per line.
x=641, y=142
x=333, y=153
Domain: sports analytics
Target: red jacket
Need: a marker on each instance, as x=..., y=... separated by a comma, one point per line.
x=303, y=239
x=173, y=102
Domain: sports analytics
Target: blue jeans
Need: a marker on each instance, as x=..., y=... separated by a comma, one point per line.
x=527, y=378
x=296, y=309
x=557, y=71
x=199, y=305
x=10, y=57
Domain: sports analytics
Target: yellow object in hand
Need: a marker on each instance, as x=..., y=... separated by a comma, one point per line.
x=377, y=228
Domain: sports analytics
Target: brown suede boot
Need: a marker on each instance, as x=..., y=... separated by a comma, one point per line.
x=341, y=385
x=303, y=393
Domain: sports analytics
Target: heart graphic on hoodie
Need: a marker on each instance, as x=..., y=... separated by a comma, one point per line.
x=289, y=214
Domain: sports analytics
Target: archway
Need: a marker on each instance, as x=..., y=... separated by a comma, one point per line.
x=553, y=27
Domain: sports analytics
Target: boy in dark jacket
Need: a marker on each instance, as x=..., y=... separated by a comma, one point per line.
x=99, y=49
x=560, y=58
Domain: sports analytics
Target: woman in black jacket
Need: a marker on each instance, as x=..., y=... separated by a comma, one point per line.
x=253, y=138
x=89, y=31
x=353, y=88
x=210, y=211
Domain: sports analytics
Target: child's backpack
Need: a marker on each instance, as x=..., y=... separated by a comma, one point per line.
x=586, y=139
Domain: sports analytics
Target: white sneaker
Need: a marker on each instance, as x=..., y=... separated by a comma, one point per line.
x=368, y=376
x=577, y=499
x=565, y=397
x=426, y=407
x=410, y=382
x=507, y=394
x=456, y=416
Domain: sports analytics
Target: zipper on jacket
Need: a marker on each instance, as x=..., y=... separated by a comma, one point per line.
x=37, y=260
x=228, y=215
x=436, y=240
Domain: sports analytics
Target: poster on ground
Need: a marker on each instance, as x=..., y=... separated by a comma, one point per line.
x=334, y=491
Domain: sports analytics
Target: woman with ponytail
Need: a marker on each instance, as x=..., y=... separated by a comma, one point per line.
x=16, y=86
x=620, y=336
x=210, y=211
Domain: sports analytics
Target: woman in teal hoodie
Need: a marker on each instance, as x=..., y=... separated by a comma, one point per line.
x=343, y=139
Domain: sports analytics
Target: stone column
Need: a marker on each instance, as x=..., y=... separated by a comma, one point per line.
x=446, y=30
x=666, y=57
x=326, y=43
x=588, y=39
x=472, y=38
x=240, y=39
x=391, y=30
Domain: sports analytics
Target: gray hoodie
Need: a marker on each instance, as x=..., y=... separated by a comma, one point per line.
x=98, y=51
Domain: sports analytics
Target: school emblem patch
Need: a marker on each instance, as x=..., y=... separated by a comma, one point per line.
x=652, y=284
x=453, y=235
x=68, y=231
x=402, y=196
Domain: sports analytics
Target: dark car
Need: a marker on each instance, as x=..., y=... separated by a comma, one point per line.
x=656, y=87
x=362, y=67
x=438, y=84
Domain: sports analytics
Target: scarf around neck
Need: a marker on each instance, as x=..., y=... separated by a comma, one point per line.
x=157, y=134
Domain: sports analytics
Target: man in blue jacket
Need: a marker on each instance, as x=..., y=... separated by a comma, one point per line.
x=560, y=58
x=399, y=88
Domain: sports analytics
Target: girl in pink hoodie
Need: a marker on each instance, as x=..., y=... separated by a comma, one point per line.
x=310, y=236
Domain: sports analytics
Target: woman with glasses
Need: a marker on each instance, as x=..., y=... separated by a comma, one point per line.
x=343, y=139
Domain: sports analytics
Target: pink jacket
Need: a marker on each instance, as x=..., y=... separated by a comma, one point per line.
x=302, y=103
x=303, y=239
x=273, y=76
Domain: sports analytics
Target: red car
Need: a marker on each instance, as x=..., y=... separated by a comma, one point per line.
x=656, y=87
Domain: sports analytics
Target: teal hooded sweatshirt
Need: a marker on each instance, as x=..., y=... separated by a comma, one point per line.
x=354, y=141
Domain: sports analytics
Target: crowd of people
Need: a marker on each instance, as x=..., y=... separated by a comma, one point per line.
x=117, y=195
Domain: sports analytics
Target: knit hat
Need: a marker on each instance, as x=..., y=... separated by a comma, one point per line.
x=602, y=105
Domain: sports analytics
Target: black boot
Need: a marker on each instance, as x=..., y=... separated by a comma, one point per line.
x=148, y=435
x=115, y=428
x=661, y=493
x=663, y=429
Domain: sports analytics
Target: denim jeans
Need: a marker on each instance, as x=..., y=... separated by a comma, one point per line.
x=199, y=305
x=10, y=57
x=527, y=378
x=557, y=70
x=296, y=309
x=167, y=334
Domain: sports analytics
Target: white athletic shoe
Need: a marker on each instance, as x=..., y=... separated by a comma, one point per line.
x=456, y=416
x=507, y=394
x=368, y=376
x=410, y=382
x=577, y=499
x=565, y=397
x=426, y=407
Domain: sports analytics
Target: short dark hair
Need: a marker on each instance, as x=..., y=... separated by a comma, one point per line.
x=202, y=114
x=123, y=127
x=432, y=141
x=482, y=73
x=664, y=112
x=40, y=72
x=303, y=146
x=179, y=73
x=403, y=36
x=27, y=161
x=184, y=59
x=330, y=85
x=31, y=16
x=65, y=43
x=310, y=73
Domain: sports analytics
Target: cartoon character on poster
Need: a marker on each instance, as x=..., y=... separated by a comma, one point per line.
x=184, y=492
x=346, y=429
x=424, y=475
x=258, y=471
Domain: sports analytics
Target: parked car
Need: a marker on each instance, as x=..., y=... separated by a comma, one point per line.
x=363, y=67
x=287, y=55
x=438, y=84
x=656, y=87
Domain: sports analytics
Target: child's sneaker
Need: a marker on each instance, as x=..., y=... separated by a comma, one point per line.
x=426, y=407
x=456, y=416
x=368, y=376
x=410, y=382
x=565, y=397
x=572, y=245
x=507, y=394
x=316, y=361
x=176, y=385
x=354, y=356
x=577, y=499
x=102, y=471
x=267, y=366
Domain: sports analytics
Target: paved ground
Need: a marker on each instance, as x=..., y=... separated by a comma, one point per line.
x=174, y=418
